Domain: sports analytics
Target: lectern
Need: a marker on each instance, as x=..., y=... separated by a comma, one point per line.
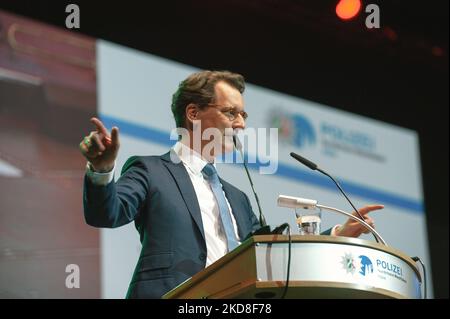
x=321, y=267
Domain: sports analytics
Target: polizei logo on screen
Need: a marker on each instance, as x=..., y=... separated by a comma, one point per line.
x=294, y=129
x=331, y=138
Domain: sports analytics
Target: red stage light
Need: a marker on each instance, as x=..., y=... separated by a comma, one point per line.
x=347, y=9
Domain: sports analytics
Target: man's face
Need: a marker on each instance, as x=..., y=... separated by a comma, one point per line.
x=216, y=117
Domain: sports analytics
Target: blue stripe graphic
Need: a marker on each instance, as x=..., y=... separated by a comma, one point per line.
x=162, y=137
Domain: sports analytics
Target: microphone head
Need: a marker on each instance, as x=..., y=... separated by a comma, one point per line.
x=304, y=161
x=296, y=202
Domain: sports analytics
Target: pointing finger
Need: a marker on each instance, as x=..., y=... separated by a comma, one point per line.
x=99, y=125
x=369, y=208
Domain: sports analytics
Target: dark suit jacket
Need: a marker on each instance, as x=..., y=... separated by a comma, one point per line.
x=159, y=197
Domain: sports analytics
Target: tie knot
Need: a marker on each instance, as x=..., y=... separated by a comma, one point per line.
x=209, y=170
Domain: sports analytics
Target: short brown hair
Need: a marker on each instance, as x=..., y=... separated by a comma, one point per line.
x=198, y=88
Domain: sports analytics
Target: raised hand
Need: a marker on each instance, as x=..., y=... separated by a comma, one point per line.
x=100, y=148
x=352, y=228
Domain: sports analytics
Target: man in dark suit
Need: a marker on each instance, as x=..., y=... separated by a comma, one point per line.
x=187, y=217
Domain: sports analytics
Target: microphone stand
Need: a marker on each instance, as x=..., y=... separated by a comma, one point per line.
x=314, y=167
x=264, y=229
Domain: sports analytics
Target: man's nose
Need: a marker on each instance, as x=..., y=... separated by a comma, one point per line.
x=239, y=123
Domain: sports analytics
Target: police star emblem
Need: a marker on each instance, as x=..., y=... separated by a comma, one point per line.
x=349, y=263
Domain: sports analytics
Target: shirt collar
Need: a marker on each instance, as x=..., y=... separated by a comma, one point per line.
x=193, y=160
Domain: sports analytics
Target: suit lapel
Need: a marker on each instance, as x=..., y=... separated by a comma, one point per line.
x=183, y=181
x=237, y=209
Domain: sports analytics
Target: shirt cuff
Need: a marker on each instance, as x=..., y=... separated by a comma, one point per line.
x=100, y=179
x=334, y=229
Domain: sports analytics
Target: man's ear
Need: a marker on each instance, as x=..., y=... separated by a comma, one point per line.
x=191, y=113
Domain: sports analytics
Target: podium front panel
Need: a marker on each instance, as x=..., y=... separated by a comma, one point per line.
x=361, y=267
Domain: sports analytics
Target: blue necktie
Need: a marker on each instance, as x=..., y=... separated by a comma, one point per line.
x=210, y=173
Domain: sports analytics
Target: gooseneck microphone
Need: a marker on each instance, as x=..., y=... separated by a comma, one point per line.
x=264, y=229
x=314, y=167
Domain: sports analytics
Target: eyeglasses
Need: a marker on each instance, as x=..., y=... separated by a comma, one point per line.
x=230, y=112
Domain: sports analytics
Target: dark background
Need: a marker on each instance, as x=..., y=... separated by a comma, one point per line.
x=397, y=74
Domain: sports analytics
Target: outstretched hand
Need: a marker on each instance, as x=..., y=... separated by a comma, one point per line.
x=352, y=228
x=100, y=148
